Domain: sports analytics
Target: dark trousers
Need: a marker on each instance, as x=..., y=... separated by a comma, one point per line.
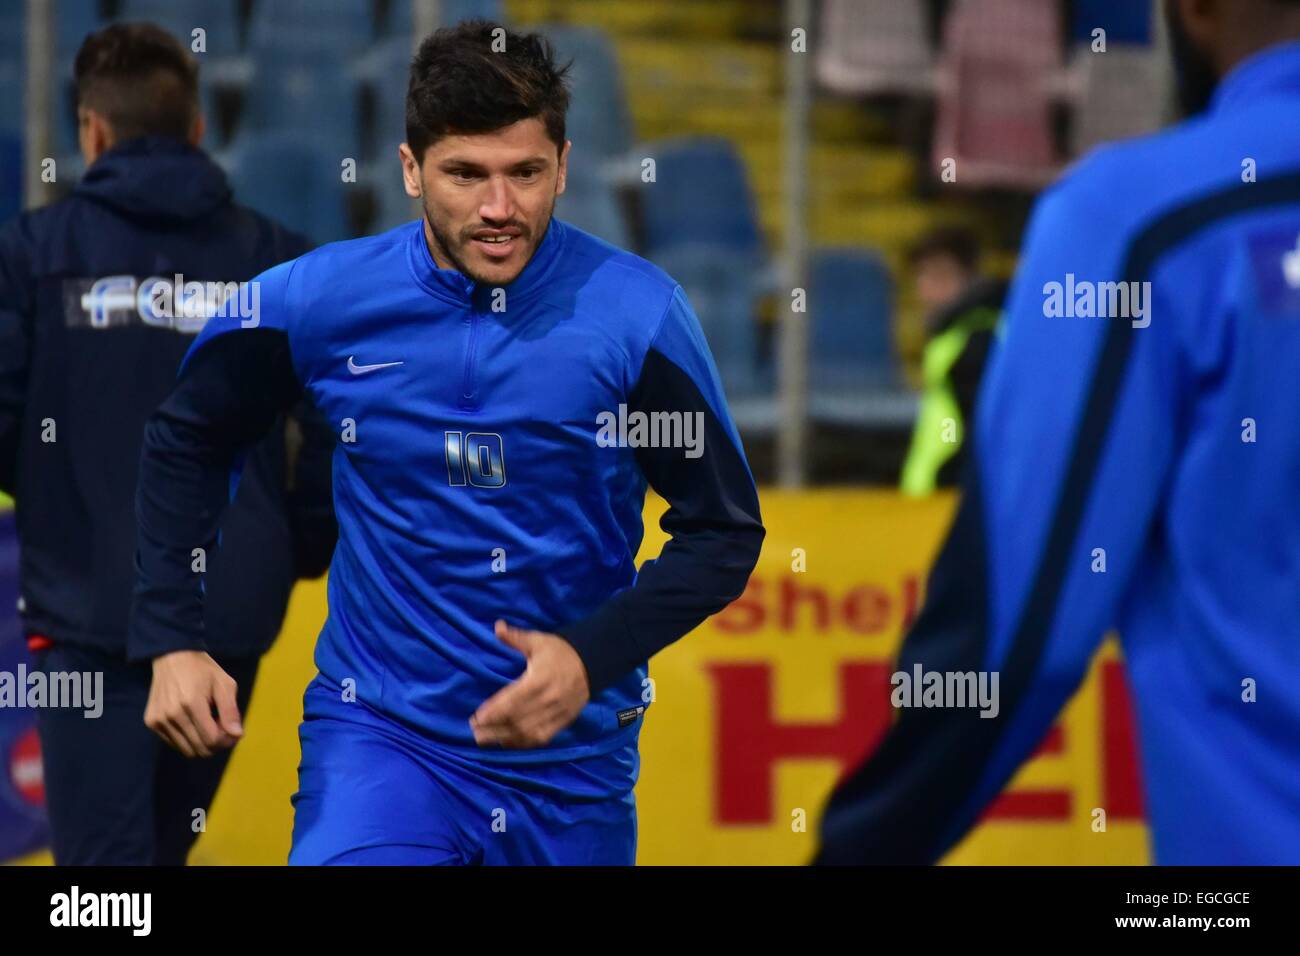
x=116, y=794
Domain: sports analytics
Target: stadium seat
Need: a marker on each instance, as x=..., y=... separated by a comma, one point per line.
x=397, y=18
x=700, y=196
x=63, y=128
x=598, y=121
x=284, y=176
x=1125, y=21
x=853, y=373
x=875, y=47
x=13, y=66
x=1121, y=94
x=12, y=113
x=850, y=308
x=392, y=206
x=11, y=174
x=322, y=31
x=591, y=203
x=382, y=78
x=316, y=100
x=722, y=288
x=999, y=73
x=73, y=20
x=217, y=18
x=384, y=73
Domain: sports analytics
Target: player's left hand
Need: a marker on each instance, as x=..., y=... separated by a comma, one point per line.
x=546, y=698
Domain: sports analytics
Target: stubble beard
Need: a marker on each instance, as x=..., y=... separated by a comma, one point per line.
x=447, y=250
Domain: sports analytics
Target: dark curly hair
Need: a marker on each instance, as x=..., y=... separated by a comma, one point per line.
x=461, y=84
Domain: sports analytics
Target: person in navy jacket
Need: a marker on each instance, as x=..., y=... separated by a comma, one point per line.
x=101, y=294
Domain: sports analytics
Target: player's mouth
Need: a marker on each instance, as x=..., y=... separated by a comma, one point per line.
x=497, y=244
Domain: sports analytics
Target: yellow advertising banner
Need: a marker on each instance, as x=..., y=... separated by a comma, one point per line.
x=758, y=712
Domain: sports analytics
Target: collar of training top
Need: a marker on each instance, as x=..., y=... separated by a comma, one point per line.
x=1273, y=69
x=461, y=289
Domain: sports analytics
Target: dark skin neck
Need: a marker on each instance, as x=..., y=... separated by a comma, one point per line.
x=1239, y=48
x=1230, y=31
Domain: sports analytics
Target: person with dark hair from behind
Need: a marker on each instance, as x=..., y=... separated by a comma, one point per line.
x=92, y=331
x=961, y=312
x=1134, y=464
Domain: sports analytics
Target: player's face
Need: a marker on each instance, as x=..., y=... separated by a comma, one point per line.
x=488, y=197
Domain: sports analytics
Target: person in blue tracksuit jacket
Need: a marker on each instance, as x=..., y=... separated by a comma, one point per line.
x=504, y=387
x=92, y=332
x=1136, y=466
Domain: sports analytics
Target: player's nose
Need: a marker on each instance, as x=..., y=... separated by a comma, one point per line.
x=498, y=204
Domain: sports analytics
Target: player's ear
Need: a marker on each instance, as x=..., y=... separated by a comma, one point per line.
x=197, y=129
x=410, y=172
x=94, y=135
x=563, y=175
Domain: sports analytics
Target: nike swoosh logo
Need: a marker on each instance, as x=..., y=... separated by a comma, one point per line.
x=356, y=369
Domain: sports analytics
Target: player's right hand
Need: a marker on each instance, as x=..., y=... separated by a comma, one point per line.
x=186, y=686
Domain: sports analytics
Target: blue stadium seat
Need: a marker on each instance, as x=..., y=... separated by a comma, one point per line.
x=701, y=196
x=13, y=23
x=13, y=66
x=598, y=121
x=591, y=203
x=73, y=20
x=317, y=101
x=392, y=206
x=453, y=11
x=11, y=174
x=218, y=18
x=386, y=71
x=853, y=374
x=318, y=30
x=287, y=178
x=849, y=306
x=397, y=20
x=1125, y=21
x=12, y=114
x=723, y=289
x=13, y=30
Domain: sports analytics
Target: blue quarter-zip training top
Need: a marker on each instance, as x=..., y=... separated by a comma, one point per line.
x=477, y=474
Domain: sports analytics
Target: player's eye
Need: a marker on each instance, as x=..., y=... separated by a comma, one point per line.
x=464, y=175
x=528, y=173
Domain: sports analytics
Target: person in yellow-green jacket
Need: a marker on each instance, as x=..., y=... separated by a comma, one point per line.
x=962, y=309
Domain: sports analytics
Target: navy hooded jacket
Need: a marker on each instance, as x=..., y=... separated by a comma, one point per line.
x=88, y=351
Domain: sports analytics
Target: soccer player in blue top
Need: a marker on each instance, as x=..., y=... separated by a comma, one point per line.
x=504, y=387
x=1136, y=465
